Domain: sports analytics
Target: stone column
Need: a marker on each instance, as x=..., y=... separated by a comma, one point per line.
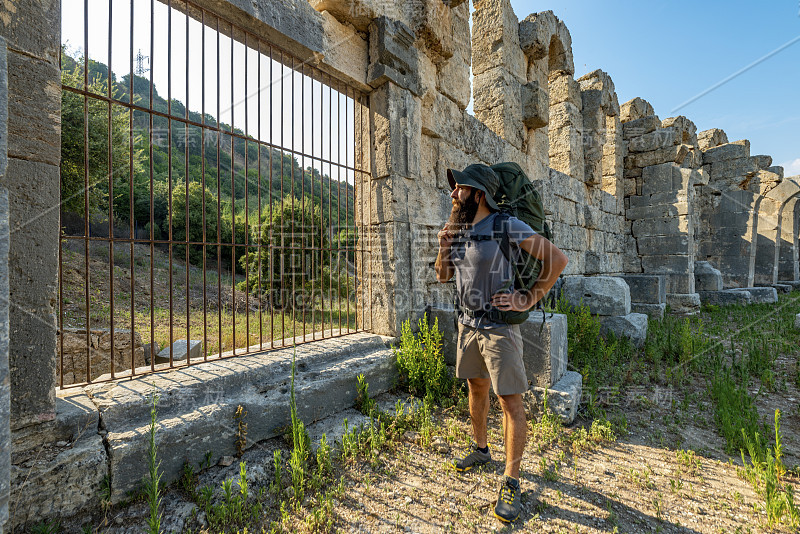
x=396, y=126
x=498, y=67
x=33, y=37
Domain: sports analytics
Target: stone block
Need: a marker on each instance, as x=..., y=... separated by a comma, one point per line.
x=497, y=104
x=563, y=397
x=180, y=349
x=735, y=169
x=660, y=138
x=782, y=288
x=632, y=326
x=3, y=118
x=646, y=288
x=392, y=55
x=654, y=311
x=34, y=106
x=660, y=227
x=685, y=129
x=711, y=138
x=795, y=284
x=34, y=29
x=667, y=264
x=664, y=178
x=797, y=322
x=343, y=48
x=636, y=108
x=454, y=81
x=725, y=297
x=683, y=303
x=735, y=150
x=706, y=277
x=674, y=154
x=596, y=263
x=763, y=162
x=544, y=35
x=760, y=295
x=658, y=211
x=639, y=127
x=397, y=125
x=495, y=39
x=544, y=351
x=535, y=105
x=604, y=295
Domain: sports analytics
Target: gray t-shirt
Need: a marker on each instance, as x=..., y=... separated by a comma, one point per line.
x=481, y=268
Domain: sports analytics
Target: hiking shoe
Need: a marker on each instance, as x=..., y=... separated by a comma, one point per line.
x=474, y=458
x=507, y=507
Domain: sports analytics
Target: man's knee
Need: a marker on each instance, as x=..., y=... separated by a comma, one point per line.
x=479, y=386
x=512, y=406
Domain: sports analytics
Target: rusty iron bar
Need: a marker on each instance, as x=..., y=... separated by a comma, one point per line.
x=295, y=238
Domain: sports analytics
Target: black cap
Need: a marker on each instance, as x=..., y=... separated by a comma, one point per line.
x=478, y=176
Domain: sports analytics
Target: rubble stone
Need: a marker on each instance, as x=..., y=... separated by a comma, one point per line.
x=632, y=325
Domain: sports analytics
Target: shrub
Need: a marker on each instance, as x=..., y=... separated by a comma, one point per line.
x=420, y=362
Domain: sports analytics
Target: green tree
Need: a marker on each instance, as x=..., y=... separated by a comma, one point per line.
x=87, y=131
x=292, y=252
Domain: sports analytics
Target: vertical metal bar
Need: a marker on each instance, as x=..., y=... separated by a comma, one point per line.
x=321, y=207
x=330, y=197
x=132, y=232
x=203, y=173
x=346, y=196
x=169, y=168
x=110, y=194
x=370, y=242
x=86, y=228
x=233, y=206
x=281, y=251
x=187, y=263
x=152, y=207
x=303, y=229
x=272, y=249
x=314, y=265
x=339, y=196
x=292, y=237
x=259, y=240
x=246, y=205
x=219, y=208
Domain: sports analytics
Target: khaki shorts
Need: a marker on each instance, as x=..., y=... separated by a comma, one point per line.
x=494, y=353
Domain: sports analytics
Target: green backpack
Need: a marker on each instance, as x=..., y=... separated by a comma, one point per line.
x=517, y=197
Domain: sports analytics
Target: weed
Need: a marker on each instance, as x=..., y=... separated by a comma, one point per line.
x=151, y=482
x=765, y=474
x=549, y=428
x=676, y=485
x=689, y=460
x=188, y=481
x=49, y=527
x=241, y=430
x=301, y=446
x=420, y=363
x=734, y=410
x=364, y=404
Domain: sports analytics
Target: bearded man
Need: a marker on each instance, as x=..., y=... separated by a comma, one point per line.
x=490, y=351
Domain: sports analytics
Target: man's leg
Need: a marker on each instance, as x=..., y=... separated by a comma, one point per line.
x=479, y=408
x=515, y=432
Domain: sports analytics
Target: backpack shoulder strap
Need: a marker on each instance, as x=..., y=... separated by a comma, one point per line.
x=500, y=233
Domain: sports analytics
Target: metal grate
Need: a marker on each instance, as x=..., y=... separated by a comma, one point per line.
x=224, y=213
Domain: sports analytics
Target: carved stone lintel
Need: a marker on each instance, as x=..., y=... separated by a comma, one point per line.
x=392, y=55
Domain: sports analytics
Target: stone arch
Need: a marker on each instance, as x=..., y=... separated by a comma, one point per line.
x=547, y=43
x=786, y=196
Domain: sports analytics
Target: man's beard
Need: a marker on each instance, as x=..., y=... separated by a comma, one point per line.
x=463, y=213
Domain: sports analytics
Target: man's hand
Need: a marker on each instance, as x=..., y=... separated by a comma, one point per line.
x=516, y=301
x=445, y=238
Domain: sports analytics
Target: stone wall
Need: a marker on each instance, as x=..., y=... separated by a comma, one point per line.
x=626, y=192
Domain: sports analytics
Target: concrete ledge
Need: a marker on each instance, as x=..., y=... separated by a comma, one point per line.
x=726, y=297
x=563, y=398
x=760, y=295
x=197, y=404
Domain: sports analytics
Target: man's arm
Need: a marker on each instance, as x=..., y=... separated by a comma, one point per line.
x=444, y=265
x=553, y=264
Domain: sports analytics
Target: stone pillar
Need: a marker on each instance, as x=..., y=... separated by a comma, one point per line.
x=775, y=194
x=5, y=389
x=33, y=37
x=396, y=126
x=498, y=67
x=728, y=221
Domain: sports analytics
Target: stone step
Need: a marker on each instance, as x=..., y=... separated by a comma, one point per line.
x=726, y=297
x=197, y=404
x=760, y=295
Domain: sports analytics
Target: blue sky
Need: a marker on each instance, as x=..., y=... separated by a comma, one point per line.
x=669, y=52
